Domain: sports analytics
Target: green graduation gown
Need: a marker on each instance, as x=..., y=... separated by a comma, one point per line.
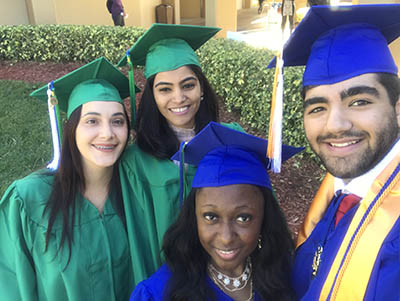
x=99, y=268
x=150, y=189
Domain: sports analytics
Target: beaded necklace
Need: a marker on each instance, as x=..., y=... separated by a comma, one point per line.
x=222, y=287
x=231, y=284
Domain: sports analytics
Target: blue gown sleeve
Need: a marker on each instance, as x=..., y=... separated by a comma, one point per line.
x=142, y=293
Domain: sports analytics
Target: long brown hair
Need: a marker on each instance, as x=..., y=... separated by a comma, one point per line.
x=69, y=184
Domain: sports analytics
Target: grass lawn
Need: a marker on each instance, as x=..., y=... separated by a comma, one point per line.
x=24, y=132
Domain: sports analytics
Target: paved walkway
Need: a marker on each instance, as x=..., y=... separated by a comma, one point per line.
x=259, y=30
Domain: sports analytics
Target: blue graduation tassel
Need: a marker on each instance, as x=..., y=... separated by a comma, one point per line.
x=182, y=173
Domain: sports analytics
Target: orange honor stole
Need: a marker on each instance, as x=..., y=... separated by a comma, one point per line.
x=372, y=222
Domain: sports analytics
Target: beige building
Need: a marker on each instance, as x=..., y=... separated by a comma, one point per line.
x=220, y=13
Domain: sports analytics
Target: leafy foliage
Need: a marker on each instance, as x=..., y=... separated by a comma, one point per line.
x=65, y=43
x=240, y=75
x=237, y=71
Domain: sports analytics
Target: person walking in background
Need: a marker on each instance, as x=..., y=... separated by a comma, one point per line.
x=260, y=6
x=349, y=245
x=117, y=12
x=288, y=12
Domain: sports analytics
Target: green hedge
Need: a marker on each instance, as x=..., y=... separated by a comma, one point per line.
x=65, y=43
x=237, y=71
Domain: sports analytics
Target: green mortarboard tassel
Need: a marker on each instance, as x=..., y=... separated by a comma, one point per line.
x=182, y=172
x=131, y=90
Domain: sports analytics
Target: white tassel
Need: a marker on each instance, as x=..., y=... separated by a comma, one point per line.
x=53, y=165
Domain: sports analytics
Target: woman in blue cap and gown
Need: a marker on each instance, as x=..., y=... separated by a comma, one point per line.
x=63, y=234
x=177, y=102
x=231, y=240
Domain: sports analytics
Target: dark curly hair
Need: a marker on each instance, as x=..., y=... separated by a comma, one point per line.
x=187, y=259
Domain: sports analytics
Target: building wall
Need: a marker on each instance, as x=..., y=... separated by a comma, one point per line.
x=43, y=11
x=15, y=12
x=190, y=9
x=148, y=12
x=227, y=16
x=177, y=8
x=395, y=49
x=88, y=12
x=221, y=13
x=300, y=3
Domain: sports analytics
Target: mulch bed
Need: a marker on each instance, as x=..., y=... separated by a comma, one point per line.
x=294, y=186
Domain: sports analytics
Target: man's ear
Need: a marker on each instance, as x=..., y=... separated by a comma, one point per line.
x=397, y=109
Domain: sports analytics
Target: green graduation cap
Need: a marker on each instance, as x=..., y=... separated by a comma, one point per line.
x=165, y=47
x=98, y=80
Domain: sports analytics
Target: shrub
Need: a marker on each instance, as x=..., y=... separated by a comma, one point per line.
x=239, y=74
x=237, y=71
x=65, y=43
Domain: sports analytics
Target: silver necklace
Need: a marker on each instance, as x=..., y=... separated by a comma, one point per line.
x=231, y=284
x=223, y=287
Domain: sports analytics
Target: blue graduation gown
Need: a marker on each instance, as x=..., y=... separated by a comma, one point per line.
x=152, y=288
x=385, y=277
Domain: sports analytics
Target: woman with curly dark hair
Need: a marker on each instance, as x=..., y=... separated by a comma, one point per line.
x=177, y=102
x=230, y=241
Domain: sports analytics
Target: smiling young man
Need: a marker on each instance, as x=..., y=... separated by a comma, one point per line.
x=349, y=246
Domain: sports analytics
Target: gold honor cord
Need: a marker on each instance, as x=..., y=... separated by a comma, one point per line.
x=317, y=209
x=274, y=151
x=373, y=220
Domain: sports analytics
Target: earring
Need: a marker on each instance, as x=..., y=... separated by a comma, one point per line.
x=201, y=97
x=259, y=244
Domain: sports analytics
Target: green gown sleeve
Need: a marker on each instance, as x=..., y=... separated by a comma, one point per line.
x=17, y=272
x=234, y=126
x=150, y=189
x=99, y=267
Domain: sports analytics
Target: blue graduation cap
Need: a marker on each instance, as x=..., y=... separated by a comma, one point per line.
x=225, y=156
x=340, y=42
